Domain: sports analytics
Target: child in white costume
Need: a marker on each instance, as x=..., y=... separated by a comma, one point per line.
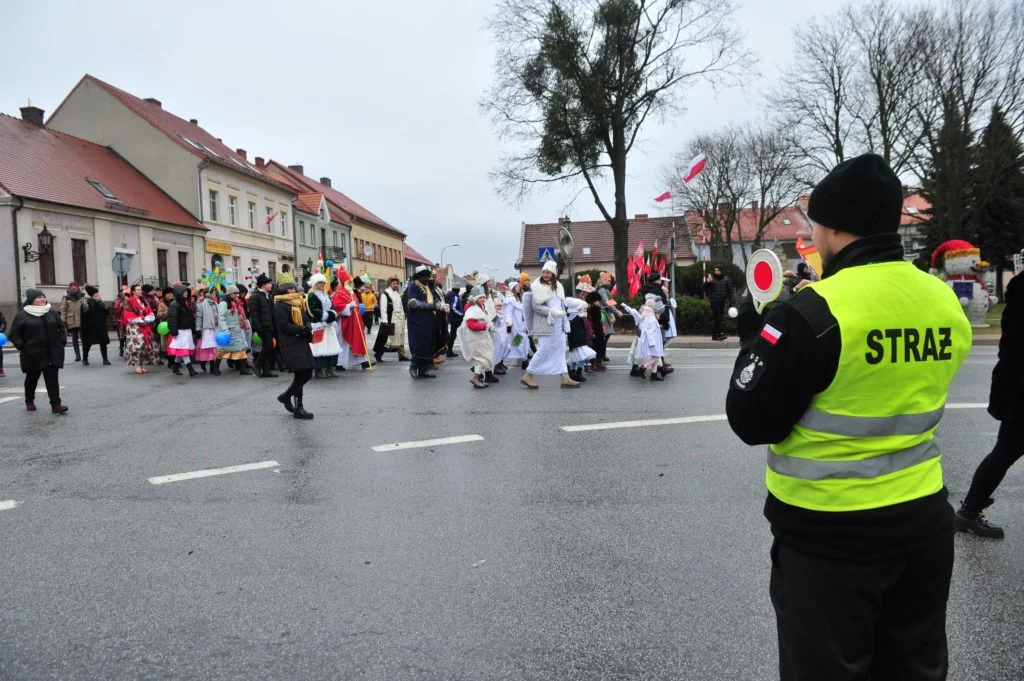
x=475, y=339
x=514, y=319
x=648, y=351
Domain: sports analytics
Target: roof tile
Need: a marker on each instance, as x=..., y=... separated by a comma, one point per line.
x=414, y=255
x=47, y=165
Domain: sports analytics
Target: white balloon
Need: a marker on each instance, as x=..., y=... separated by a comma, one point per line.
x=733, y=312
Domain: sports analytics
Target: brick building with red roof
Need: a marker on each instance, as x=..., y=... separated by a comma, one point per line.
x=94, y=205
x=247, y=211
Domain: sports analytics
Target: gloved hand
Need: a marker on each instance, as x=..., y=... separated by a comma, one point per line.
x=308, y=333
x=331, y=317
x=558, y=314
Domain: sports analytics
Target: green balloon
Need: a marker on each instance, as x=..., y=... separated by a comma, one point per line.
x=256, y=338
x=162, y=329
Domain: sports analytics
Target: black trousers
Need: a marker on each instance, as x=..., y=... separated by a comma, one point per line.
x=49, y=375
x=86, y=345
x=600, y=344
x=717, y=312
x=880, y=621
x=267, y=359
x=300, y=378
x=368, y=320
x=453, y=333
x=991, y=471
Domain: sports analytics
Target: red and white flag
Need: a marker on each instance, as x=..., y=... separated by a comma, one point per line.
x=664, y=197
x=693, y=170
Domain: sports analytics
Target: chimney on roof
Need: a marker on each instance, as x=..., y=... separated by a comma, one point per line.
x=640, y=216
x=259, y=162
x=194, y=121
x=33, y=115
x=325, y=181
x=241, y=152
x=755, y=205
x=297, y=168
x=154, y=100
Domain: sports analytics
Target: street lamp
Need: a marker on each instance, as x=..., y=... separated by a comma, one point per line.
x=45, y=244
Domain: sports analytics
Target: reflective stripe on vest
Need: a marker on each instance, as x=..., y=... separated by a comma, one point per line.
x=867, y=440
x=876, y=466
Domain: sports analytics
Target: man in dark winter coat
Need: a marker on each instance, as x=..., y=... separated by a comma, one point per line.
x=654, y=287
x=40, y=336
x=1005, y=404
x=720, y=293
x=455, y=314
x=294, y=334
x=261, y=317
x=94, y=326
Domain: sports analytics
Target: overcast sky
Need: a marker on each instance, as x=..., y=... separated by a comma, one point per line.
x=380, y=96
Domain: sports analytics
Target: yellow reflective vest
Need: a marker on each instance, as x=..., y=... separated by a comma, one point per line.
x=867, y=441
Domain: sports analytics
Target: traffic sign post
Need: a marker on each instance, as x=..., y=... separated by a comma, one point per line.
x=121, y=264
x=546, y=254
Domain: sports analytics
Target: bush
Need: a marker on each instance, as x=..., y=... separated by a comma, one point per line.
x=693, y=317
x=690, y=279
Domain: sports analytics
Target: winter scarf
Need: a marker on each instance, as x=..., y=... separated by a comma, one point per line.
x=77, y=294
x=298, y=303
x=37, y=310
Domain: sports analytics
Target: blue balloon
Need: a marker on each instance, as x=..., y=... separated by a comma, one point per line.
x=362, y=308
x=329, y=263
x=3, y=339
x=223, y=338
x=217, y=263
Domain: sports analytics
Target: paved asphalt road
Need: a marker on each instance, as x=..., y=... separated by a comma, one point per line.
x=536, y=553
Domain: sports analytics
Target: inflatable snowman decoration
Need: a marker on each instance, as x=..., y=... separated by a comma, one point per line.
x=963, y=265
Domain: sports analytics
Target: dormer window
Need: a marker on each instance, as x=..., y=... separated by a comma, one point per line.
x=787, y=221
x=195, y=146
x=98, y=186
x=211, y=151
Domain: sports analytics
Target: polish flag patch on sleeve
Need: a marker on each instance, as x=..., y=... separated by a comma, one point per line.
x=771, y=334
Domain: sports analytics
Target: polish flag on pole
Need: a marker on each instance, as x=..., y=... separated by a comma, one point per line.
x=664, y=197
x=693, y=170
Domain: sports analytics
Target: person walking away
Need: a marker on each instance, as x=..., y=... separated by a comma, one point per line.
x=261, y=317
x=137, y=320
x=325, y=346
x=231, y=318
x=3, y=329
x=294, y=334
x=455, y=315
x=207, y=326
x=848, y=394
x=180, y=322
x=1006, y=405
x=422, y=320
x=94, y=326
x=391, y=332
x=369, y=300
x=547, y=308
x=71, y=309
x=476, y=338
x=39, y=335
x=720, y=294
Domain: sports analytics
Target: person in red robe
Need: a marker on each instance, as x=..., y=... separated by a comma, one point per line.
x=352, y=332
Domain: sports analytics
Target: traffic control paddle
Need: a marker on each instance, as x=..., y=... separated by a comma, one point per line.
x=764, y=277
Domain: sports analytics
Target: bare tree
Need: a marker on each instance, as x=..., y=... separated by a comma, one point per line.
x=576, y=80
x=774, y=160
x=817, y=98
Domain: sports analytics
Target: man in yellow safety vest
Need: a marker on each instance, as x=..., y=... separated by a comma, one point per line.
x=846, y=382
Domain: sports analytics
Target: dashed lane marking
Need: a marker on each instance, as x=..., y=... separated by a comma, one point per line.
x=163, y=479
x=614, y=425
x=9, y=399
x=8, y=505
x=459, y=439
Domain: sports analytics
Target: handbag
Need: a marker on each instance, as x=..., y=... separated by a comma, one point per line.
x=388, y=328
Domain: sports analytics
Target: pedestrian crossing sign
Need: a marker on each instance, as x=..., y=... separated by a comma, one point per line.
x=546, y=254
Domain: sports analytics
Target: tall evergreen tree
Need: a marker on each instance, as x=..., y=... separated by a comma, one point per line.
x=997, y=196
x=947, y=177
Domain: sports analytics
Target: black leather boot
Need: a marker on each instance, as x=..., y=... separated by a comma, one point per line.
x=285, y=398
x=300, y=412
x=215, y=367
x=192, y=373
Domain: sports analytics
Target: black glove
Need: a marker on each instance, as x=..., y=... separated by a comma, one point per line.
x=331, y=317
x=309, y=335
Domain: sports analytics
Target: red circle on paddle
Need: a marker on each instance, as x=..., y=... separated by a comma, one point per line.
x=763, y=276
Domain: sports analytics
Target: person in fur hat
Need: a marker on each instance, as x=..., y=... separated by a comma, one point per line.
x=476, y=340
x=548, y=323
x=325, y=344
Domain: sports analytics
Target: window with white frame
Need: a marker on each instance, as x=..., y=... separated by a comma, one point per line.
x=284, y=223
x=302, y=232
x=213, y=205
x=252, y=215
x=270, y=218
x=233, y=210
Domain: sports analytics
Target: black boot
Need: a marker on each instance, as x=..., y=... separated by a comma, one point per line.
x=636, y=372
x=319, y=373
x=176, y=368
x=192, y=373
x=329, y=372
x=579, y=376
x=300, y=412
x=215, y=367
x=203, y=365
x=85, y=361
x=285, y=398
x=379, y=357
x=106, y=362
x=656, y=376
x=243, y=369
x=975, y=522
x=489, y=377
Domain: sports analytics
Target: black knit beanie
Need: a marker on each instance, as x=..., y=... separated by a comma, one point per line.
x=860, y=196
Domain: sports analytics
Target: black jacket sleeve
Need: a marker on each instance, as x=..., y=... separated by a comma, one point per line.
x=172, y=318
x=1008, y=375
x=285, y=325
x=3, y=323
x=773, y=382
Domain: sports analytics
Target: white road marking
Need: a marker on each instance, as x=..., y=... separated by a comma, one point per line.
x=9, y=399
x=8, y=505
x=967, y=405
x=646, y=422
x=163, y=479
x=458, y=439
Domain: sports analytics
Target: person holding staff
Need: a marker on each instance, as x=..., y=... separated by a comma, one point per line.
x=848, y=394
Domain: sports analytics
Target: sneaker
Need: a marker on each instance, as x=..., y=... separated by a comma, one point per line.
x=58, y=408
x=977, y=523
x=30, y=406
x=2, y=374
